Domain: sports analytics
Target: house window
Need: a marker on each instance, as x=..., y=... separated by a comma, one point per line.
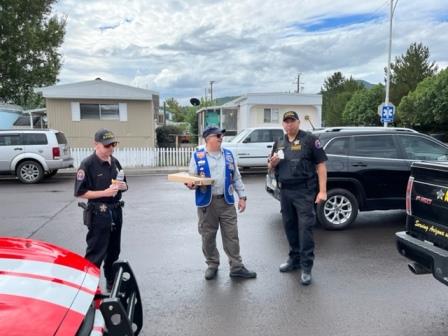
x=100, y=111
x=270, y=115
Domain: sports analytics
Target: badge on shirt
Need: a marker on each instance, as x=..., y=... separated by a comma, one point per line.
x=229, y=158
x=296, y=147
x=80, y=175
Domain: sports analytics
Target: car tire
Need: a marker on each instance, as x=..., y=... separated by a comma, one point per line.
x=339, y=211
x=51, y=173
x=30, y=172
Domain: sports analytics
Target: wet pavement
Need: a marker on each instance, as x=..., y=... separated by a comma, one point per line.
x=361, y=285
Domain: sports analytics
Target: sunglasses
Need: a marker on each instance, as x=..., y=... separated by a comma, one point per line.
x=113, y=144
x=219, y=136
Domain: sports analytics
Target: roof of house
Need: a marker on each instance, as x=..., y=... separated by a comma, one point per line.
x=96, y=89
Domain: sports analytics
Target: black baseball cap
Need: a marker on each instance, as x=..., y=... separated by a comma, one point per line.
x=290, y=115
x=212, y=130
x=105, y=136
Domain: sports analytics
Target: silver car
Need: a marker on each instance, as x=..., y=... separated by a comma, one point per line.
x=32, y=154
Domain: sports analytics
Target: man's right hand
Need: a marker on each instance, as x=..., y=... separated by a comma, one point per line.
x=274, y=160
x=190, y=185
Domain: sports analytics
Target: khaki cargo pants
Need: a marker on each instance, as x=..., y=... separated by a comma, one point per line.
x=217, y=215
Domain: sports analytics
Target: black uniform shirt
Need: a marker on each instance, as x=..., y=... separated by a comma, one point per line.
x=95, y=174
x=306, y=147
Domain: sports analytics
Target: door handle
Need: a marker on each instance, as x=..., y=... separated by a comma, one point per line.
x=269, y=146
x=359, y=164
x=18, y=148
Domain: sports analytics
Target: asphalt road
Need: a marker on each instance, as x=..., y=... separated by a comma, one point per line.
x=361, y=285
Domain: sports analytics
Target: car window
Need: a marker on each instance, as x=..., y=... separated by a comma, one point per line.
x=263, y=135
x=338, y=146
x=34, y=139
x=378, y=146
x=418, y=148
x=9, y=139
x=276, y=135
x=62, y=140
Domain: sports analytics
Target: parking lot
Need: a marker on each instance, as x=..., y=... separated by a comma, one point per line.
x=361, y=285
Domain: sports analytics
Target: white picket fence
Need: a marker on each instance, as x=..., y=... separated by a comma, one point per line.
x=142, y=157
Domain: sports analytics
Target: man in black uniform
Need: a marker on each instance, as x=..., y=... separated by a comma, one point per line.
x=95, y=181
x=299, y=163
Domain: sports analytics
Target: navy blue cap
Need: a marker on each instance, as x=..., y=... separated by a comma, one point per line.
x=290, y=115
x=212, y=130
x=105, y=136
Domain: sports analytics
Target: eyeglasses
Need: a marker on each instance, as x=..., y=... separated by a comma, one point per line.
x=113, y=144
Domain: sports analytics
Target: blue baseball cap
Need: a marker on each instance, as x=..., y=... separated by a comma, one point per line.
x=212, y=130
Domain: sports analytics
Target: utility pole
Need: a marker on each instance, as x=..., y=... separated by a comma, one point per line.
x=211, y=91
x=392, y=9
x=298, y=83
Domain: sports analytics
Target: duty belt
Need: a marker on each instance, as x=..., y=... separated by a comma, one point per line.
x=103, y=207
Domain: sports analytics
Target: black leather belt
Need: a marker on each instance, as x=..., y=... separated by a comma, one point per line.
x=218, y=196
x=103, y=206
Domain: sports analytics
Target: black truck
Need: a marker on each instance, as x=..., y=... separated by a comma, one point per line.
x=425, y=241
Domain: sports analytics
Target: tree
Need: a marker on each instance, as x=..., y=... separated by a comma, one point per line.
x=336, y=92
x=362, y=109
x=426, y=107
x=409, y=70
x=29, y=42
x=174, y=107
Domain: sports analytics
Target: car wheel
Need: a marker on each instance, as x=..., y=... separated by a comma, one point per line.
x=51, y=173
x=30, y=172
x=339, y=210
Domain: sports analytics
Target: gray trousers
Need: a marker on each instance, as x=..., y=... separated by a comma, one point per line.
x=217, y=215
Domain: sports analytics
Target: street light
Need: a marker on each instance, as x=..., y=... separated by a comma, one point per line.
x=392, y=10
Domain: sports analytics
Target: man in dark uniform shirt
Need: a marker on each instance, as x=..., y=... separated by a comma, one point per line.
x=95, y=181
x=299, y=164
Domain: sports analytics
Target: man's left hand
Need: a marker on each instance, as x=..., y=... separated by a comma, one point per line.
x=321, y=197
x=241, y=205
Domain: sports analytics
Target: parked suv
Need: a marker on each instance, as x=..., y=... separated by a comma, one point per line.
x=425, y=241
x=252, y=146
x=368, y=169
x=31, y=154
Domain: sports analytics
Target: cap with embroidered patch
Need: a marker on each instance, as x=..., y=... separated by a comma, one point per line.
x=290, y=115
x=212, y=130
x=105, y=137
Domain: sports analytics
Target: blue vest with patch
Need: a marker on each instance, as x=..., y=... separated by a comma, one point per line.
x=204, y=193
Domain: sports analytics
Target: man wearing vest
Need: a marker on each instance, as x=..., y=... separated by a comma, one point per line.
x=299, y=163
x=216, y=203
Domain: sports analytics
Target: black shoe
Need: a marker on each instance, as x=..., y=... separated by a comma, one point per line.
x=305, y=278
x=210, y=273
x=289, y=266
x=243, y=272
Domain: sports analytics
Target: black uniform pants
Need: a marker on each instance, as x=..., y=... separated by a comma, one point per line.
x=104, y=239
x=299, y=217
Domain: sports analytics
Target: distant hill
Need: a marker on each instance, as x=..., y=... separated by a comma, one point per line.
x=366, y=84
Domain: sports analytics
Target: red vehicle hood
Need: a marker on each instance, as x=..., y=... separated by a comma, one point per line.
x=44, y=289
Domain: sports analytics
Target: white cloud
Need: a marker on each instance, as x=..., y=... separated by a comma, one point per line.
x=177, y=46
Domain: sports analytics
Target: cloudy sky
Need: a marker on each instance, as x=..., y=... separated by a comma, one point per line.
x=176, y=47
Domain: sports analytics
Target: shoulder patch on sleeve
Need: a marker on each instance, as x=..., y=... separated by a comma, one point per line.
x=80, y=175
x=317, y=144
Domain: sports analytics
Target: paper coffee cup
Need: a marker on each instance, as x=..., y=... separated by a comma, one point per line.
x=281, y=154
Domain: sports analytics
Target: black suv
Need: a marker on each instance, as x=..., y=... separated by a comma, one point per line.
x=368, y=169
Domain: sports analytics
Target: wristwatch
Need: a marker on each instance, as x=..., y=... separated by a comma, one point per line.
x=243, y=198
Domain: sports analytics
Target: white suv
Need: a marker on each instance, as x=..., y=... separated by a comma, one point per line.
x=252, y=146
x=31, y=154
